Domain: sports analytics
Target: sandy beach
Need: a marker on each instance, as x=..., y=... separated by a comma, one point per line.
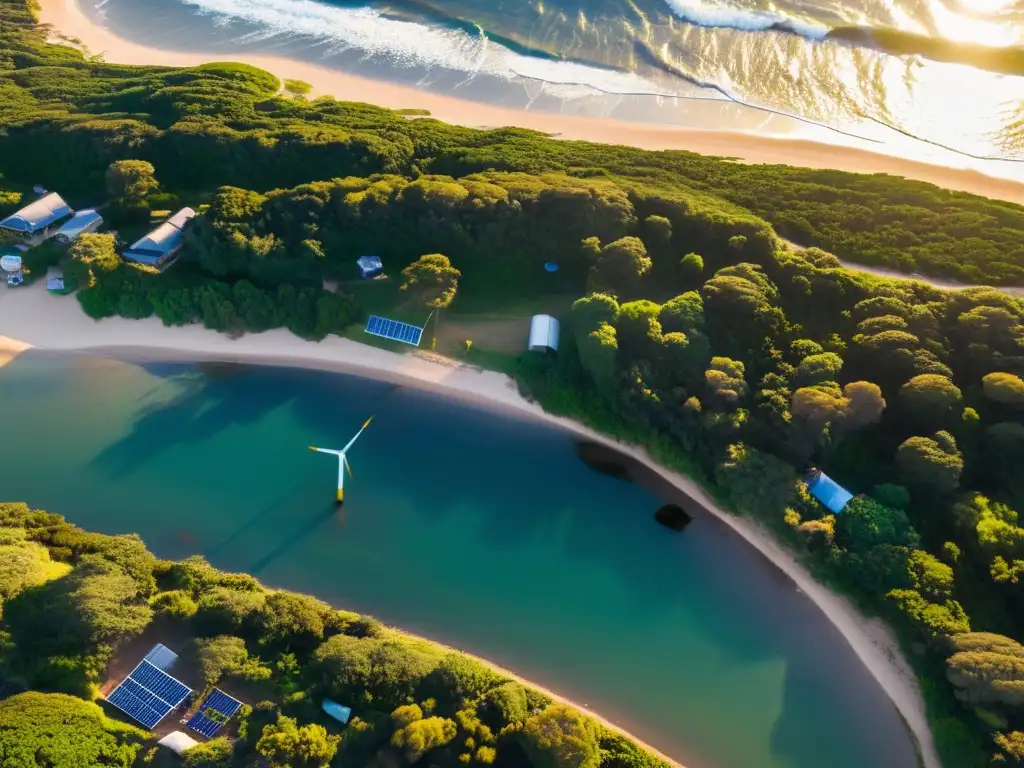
x=67, y=20
x=30, y=317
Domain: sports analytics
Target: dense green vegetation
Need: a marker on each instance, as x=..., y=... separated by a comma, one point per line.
x=281, y=651
x=225, y=124
x=697, y=334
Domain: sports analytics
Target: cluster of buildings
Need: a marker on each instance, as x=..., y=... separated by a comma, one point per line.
x=50, y=216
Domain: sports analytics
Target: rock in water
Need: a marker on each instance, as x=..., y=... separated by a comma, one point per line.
x=673, y=516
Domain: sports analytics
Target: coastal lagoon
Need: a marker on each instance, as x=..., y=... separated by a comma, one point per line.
x=468, y=526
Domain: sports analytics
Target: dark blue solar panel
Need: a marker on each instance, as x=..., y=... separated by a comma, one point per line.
x=148, y=694
x=219, y=701
x=393, y=329
x=136, y=708
x=204, y=725
x=160, y=683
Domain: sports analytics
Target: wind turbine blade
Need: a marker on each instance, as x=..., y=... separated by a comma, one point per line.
x=349, y=468
x=352, y=441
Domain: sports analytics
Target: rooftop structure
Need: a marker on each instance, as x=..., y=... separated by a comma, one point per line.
x=162, y=244
x=543, y=333
x=38, y=216
x=161, y=657
x=177, y=742
x=370, y=266
x=394, y=330
x=337, y=711
x=828, y=491
x=83, y=221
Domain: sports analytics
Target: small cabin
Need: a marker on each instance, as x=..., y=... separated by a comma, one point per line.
x=370, y=266
x=39, y=217
x=826, y=490
x=543, y=334
x=87, y=220
x=159, y=247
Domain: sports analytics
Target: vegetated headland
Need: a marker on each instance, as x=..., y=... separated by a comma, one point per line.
x=687, y=328
x=284, y=652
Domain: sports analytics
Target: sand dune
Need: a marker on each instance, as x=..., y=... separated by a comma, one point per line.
x=31, y=316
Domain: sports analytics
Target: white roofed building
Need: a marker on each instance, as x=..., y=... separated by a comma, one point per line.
x=543, y=333
x=38, y=217
x=177, y=742
x=87, y=220
x=161, y=245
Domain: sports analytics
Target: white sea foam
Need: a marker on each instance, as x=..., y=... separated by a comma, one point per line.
x=722, y=16
x=410, y=44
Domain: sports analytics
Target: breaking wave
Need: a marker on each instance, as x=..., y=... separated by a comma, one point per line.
x=717, y=16
x=412, y=44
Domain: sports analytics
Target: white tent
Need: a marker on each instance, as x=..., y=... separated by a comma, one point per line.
x=177, y=741
x=543, y=333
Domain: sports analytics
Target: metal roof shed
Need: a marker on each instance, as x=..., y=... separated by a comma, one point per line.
x=87, y=220
x=543, y=333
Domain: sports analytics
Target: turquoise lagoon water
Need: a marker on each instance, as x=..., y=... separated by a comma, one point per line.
x=475, y=529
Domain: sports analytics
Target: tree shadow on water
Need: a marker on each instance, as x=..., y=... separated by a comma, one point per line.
x=324, y=515
x=861, y=725
x=206, y=407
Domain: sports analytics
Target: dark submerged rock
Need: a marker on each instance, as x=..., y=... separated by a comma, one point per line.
x=673, y=516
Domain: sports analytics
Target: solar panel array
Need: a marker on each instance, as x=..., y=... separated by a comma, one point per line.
x=148, y=694
x=393, y=329
x=214, y=713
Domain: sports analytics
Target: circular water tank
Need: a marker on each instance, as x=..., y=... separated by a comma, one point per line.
x=10, y=263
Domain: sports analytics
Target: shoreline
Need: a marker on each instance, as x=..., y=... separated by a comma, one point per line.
x=67, y=21
x=30, y=317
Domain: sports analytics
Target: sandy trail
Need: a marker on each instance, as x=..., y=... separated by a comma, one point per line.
x=68, y=20
x=30, y=316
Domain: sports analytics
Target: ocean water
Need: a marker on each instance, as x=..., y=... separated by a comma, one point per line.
x=475, y=529
x=768, y=66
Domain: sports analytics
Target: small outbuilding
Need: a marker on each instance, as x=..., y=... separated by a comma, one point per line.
x=337, y=711
x=828, y=491
x=370, y=266
x=87, y=220
x=38, y=217
x=177, y=742
x=160, y=246
x=543, y=333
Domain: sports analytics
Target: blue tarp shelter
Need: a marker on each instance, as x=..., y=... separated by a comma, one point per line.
x=370, y=266
x=828, y=491
x=337, y=711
